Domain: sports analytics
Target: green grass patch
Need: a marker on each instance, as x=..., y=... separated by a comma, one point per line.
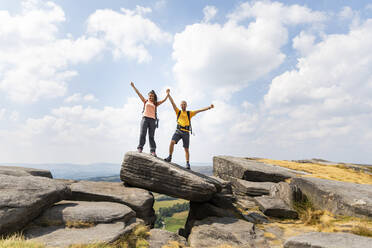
x=166, y=204
x=182, y=215
x=177, y=221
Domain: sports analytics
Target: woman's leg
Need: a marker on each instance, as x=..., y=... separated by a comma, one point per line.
x=143, y=132
x=152, y=127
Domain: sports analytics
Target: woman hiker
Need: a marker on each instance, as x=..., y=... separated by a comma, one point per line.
x=149, y=119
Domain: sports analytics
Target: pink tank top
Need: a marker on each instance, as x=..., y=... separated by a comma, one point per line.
x=149, y=110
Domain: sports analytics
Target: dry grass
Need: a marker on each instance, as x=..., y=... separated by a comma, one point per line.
x=135, y=239
x=336, y=172
x=79, y=224
x=18, y=241
x=269, y=235
x=313, y=220
x=362, y=230
x=95, y=245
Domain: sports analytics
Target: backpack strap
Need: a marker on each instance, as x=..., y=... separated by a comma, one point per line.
x=144, y=104
x=188, y=115
x=178, y=115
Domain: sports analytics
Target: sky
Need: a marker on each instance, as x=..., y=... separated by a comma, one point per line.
x=288, y=79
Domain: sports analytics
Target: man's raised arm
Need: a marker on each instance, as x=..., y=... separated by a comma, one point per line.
x=173, y=104
x=162, y=101
x=204, y=109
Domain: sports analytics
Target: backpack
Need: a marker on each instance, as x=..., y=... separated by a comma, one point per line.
x=186, y=127
x=156, y=114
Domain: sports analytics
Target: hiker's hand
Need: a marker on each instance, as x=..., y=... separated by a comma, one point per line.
x=132, y=84
x=212, y=106
x=168, y=91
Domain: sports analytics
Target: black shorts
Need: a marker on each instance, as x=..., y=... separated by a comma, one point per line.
x=185, y=136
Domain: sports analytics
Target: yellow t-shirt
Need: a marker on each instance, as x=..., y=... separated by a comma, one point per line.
x=184, y=120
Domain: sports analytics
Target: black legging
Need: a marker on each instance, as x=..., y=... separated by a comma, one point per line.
x=147, y=123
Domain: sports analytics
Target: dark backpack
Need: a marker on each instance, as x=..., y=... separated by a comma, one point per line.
x=186, y=127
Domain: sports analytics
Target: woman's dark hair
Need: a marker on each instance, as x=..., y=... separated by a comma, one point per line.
x=155, y=97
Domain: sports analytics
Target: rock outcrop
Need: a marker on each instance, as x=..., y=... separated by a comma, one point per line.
x=61, y=236
x=140, y=200
x=154, y=174
x=275, y=207
x=341, y=198
x=77, y=212
x=250, y=170
x=248, y=188
x=289, y=193
x=328, y=240
x=214, y=232
x=22, y=171
x=159, y=238
x=24, y=198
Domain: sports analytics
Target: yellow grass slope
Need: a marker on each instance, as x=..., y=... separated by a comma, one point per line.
x=337, y=172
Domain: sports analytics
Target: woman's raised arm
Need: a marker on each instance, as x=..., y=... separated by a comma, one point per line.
x=138, y=93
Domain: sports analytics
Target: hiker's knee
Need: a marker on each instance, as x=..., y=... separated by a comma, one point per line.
x=173, y=142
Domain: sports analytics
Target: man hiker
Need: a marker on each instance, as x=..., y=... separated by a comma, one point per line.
x=183, y=129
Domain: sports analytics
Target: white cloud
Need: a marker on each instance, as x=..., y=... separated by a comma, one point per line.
x=75, y=134
x=346, y=13
x=34, y=63
x=2, y=113
x=275, y=11
x=304, y=42
x=14, y=116
x=128, y=33
x=328, y=95
x=77, y=97
x=209, y=13
x=222, y=59
x=160, y=4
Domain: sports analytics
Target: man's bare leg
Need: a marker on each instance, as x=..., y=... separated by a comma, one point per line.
x=187, y=155
x=171, y=149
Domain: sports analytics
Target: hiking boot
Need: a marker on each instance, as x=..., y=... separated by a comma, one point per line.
x=153, y=154
x=168, y=159
x=188, y=166
x=139, y=150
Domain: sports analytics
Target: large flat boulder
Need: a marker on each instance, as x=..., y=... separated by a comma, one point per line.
x=328, y=240
x=24, y=198
x=215, y=232
x=70, y=212
x=159, y=238
x=289, y=193
x=154, y=174
x=140, y=200
x=341, y=198
x=22, y=171
x=250, y=188
x=275, y=207
x=61, y=236
x=250, y=170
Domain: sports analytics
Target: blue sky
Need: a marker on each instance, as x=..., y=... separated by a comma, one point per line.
x=289, y=79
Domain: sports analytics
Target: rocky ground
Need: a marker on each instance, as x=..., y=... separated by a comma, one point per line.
x=247, y=203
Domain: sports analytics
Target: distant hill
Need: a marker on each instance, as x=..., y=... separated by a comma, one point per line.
x=75, y=171
x=108, y=172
